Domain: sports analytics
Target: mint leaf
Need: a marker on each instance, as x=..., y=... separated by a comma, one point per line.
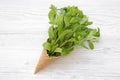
x=94, y=40
x=58, y=50
x=90, y=44
x=66, y=51
x=52, y=14
x=67, y=20
x=91, y=33
x=59, y=19
x=53, y=7
x=80, y=43
x=51, y=33
x=84, y=19
x=75, y=19
x=64, y=33
x=97, y=34
x=47, y=46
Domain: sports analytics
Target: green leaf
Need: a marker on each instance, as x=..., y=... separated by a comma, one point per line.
x=67, y=20
x=80, y=43
x=58, y=50
x=59, y=29
x=54, y=46
x=88, y=23
x=75, y=19
x=53, y=7
x=51, y=33
x=97, y=34
x=47, y=46
x=68, y=36
x=91, y=33
x=68, y=42
x=94, y=40
x=64, y=33
x=59, y=19
x=66, y=51
x=52, y=14
x=84, y=19
x=90, y=44
x=75, y=26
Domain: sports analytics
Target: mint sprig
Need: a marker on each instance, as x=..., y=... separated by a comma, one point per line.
x=69, y=28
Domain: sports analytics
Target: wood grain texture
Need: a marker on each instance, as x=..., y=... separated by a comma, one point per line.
x=23, y=29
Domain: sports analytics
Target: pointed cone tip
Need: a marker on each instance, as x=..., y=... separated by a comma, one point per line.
x=36, y=71
x=43, y=61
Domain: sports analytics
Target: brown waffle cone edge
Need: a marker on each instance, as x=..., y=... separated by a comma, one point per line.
x=44, y=61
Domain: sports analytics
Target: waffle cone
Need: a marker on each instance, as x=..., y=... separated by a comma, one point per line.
x=44, y=61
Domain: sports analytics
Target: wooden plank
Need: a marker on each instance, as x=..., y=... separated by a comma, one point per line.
x=23, y=29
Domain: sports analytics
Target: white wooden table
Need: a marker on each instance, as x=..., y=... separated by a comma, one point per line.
x=23, y=29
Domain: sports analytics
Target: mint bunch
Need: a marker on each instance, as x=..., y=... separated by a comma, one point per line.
x=69, y=28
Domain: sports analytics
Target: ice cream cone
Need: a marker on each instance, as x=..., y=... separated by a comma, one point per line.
x=44, y=61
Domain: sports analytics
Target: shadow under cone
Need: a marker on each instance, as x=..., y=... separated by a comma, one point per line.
x=44, y=61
